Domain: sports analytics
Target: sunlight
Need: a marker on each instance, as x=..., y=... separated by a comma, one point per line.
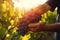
x=27, y=4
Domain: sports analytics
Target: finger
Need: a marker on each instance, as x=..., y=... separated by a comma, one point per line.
x=34, y=25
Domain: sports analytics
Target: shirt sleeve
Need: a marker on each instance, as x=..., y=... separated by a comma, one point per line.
x=52, y=4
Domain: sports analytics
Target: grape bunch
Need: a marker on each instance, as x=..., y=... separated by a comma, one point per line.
x=27, y=19
x=22, y=29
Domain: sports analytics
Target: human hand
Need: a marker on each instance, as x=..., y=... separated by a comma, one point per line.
x=36, y=27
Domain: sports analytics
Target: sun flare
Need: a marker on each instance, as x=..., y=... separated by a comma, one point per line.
x=27, y=4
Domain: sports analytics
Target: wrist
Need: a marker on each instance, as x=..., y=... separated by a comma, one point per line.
x=42, y=26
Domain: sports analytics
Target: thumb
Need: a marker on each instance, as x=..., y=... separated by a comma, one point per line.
x=34, y=25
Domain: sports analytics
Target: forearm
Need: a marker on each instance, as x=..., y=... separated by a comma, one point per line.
x=52, y=27
x=35, y=14
x=42, y=8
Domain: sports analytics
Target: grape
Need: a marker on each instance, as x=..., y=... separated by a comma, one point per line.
x=23, y=29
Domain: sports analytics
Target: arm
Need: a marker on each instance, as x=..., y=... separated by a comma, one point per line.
x=55, y=27
x=42, y=8
x=34, y=15
x=52, y=27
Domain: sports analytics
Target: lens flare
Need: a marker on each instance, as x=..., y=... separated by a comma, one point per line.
x=27, y=4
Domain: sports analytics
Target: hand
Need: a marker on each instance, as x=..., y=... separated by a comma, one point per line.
x=36, y=27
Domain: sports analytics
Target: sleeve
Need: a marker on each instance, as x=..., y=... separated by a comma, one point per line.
x=52, y=4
